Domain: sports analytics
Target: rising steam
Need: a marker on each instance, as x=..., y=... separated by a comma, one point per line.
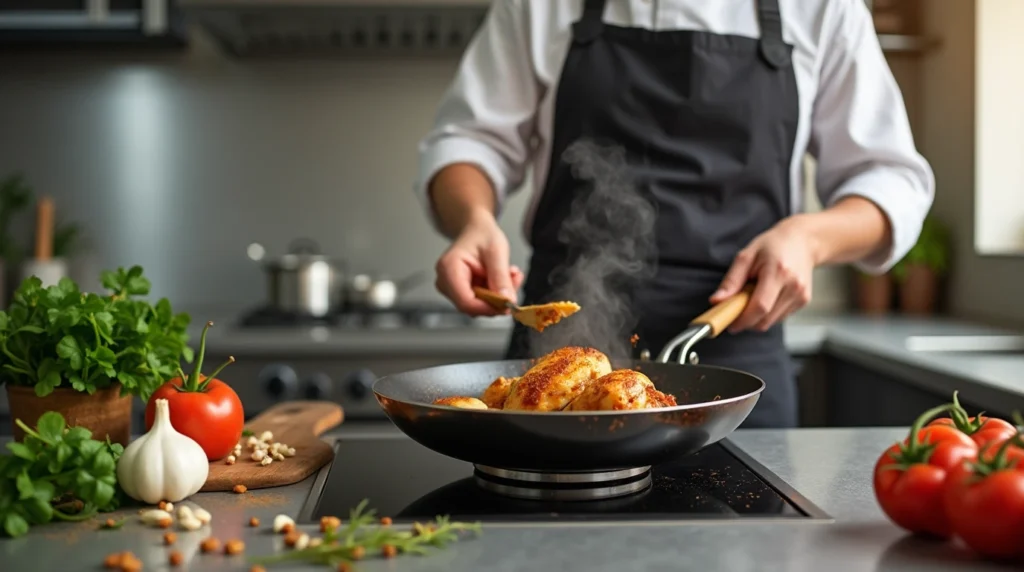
x=610, y=235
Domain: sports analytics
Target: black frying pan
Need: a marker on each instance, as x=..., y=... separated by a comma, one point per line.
x=713, y=402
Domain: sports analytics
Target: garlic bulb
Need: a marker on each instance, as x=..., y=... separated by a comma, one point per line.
x=162, y=465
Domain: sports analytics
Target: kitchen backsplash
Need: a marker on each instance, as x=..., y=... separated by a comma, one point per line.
x=178, y=162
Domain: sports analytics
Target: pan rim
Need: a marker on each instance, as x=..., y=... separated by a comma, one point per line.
x=564, y=413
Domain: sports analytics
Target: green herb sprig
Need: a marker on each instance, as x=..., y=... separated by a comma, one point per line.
x=56, y=472
x=359, y=538
x=59, y=336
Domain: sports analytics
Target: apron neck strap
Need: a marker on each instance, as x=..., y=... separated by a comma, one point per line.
x=589, y=26
x=773, y=48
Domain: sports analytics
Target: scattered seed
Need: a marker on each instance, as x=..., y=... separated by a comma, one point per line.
x=170, y=538
x=254, y=522
x=385, y=521
x=266, y=461
x=252, y=442
x=266, y=436
x=209, y=545
x=291, y=539
x=175, y=558
x=278, y=457
x=233, y=547
x=358, y=552
x=230, y=460
x=166, y=506
x=165, y=522
x=389, y=551
x=258, y=455
x=329, y=523
x=290, y=452
x=239, y=489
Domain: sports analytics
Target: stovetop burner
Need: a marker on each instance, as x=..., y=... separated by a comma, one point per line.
x=408, y=482
x=533, y=485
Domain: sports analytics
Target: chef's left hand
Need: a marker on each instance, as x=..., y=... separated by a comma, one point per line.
x=781, y=261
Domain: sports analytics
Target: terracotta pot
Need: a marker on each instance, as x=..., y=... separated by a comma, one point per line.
x=874, y=294
x=919, y=291
x=105, y=412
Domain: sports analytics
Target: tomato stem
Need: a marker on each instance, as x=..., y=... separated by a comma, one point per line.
x=194, y=382
x=915, y=450
x=998, y=462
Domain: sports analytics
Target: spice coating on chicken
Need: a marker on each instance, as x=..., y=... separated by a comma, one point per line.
x=497, y=392
x=461, y=402
x=557, y=379
x=656, y=398
x=619, y=390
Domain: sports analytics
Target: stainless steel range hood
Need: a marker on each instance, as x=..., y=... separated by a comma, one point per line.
x=302, y=28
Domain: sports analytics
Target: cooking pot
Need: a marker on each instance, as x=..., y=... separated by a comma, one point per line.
x=365, y=291
x=303, y=281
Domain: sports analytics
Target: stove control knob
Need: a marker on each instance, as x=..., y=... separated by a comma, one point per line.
x=318, y=386
x=280, y=381
x=360, y=383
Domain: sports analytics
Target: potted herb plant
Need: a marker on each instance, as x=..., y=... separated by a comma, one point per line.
x=85, y=355
x=874, y=294
x=919, y=273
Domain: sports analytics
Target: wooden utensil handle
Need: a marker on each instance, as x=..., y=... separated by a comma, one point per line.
x=44, y=229
x=497, y=301
x=723, y=314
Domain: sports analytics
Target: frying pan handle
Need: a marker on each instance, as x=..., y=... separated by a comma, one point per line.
x=724, y=313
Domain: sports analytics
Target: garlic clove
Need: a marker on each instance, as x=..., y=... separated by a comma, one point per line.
x=282, y=520
x=185, y=512
x=191, y=523
x=202, y=515
x=156, y=517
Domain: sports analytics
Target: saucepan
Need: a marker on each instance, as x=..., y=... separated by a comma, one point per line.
x=712, y=402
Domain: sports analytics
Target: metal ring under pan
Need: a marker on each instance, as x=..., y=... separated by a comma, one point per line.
x=528, y=492
x=581, y=477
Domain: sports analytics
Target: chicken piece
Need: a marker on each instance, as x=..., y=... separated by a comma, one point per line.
x=619, y=390
x=557, y=379
x=541, y=316
x=461, y=402
x=657, y=398
x=497, y=392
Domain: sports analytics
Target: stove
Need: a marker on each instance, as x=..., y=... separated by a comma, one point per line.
x=423, y=315
x=408, y=482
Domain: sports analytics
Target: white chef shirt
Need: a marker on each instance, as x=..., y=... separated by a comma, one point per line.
x=498, y=112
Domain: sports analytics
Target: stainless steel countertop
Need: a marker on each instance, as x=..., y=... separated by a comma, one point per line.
x=832, y=467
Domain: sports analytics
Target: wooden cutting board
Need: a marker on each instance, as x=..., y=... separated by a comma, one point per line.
x=298, y=424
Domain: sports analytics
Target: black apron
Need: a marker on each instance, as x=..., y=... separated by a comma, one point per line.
x=708, y=123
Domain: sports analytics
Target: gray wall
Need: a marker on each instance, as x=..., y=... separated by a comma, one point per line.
x=178, y=162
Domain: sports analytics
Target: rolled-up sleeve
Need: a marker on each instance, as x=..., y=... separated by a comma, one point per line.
x=861, y=135
x=486, y=117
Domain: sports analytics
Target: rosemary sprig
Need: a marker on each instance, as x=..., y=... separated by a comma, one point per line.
x=359, y=538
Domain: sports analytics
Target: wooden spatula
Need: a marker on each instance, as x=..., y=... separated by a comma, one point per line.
x=537, y=316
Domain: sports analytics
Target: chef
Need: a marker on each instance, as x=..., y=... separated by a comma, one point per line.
x=716, y=103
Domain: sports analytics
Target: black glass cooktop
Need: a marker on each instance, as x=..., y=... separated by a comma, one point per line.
x=406, y=481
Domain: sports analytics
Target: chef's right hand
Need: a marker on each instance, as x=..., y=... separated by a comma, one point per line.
x=479, y=256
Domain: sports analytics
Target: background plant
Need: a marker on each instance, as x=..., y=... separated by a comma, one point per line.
x=59, y=336
x=15, y=196
x=931, y=250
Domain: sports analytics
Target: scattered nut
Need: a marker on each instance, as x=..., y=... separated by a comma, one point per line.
x=209, y=545
x=290, y=452
x=252, y=442
x=358, y=552
x=278, y=457
x=170, y=538
x=175, y=558
x=239, y=489
x=164, y=505
x=280, y=521
x=389, y=551
x=234, y=547
x=254, y=522
x=230, y=460
x=155, y=517
x=303, y=542
x=203, y=516
x=291, y=539
x=266, y=436
x=258, y=455
x=385, y=521
x=266, y=461
x=329, y=523
x=110, y=523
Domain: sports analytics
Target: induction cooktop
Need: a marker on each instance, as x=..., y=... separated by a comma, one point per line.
x=408, y=482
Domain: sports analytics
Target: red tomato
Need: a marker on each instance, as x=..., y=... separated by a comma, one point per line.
x=985, y=502
x=981, y=429
x=909, y=476
x=203, y=408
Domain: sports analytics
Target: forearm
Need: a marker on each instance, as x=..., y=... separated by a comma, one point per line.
x=460, y=194
x=851, y=230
